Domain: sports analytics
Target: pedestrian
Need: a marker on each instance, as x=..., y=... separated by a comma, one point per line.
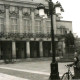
x=76, y=60
x=76, y=64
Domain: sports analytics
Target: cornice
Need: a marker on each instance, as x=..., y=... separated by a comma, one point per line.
x=63, y=21
x=20, y=3
x=25, y=1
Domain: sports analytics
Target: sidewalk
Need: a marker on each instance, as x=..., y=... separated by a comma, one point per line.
x=9, y=77
x=38, y=59
x=30, y=59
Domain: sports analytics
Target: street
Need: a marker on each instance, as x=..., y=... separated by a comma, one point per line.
x=33, y=70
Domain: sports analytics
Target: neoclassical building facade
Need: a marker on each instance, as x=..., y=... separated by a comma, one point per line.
x=24, y=34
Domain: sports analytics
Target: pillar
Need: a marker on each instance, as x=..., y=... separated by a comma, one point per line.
x=32, y=20
x=20, y=20
x=28, y=49
x=64, y=48
x=44, y=26
x=41, y=48
x=7, y=18
x=13, y=50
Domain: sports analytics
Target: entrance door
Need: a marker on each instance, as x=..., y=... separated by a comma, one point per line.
x=6, y=50
x=34, y=49
x=20, y=50
x=46, y=49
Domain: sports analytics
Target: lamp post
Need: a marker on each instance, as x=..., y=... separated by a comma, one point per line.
x=54, y=75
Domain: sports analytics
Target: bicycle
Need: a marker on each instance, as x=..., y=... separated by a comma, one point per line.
x=68, y=75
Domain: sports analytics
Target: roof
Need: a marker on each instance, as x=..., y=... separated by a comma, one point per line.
x=30, y=1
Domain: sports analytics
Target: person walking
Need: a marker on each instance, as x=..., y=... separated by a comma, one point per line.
x=76, y=65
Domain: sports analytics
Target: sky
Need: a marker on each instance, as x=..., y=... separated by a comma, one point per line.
x=71, y=13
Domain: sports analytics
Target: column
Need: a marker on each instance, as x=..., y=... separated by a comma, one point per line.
x=44, y=26
x=63, y=48
x=13, y=50
x=32, y=20
x=20, y=20
x=7, y=18
x=41, y=48
x=28, y=49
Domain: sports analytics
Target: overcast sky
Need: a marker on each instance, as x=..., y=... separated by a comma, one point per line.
x=71, y=13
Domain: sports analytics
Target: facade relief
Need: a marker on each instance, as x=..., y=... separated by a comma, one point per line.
x=26, y=12
x=13, y=11
x=2, y=9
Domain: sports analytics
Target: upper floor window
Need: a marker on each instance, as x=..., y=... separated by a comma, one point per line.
x=38, y=26
x=48, y=27
x=14, y=24
x=1, y=24
x=26, y=25
x=61, y=30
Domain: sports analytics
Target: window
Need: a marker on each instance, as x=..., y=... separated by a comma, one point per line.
x=48, y=27
x=37, y=26
x=61, y=30
x=14, y=25
x=26, y=24
x=1, y=24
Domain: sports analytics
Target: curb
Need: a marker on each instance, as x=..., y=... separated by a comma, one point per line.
x=36, y=60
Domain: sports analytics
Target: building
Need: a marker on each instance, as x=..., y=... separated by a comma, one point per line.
x=24, y=34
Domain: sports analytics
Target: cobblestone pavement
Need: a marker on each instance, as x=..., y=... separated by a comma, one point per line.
x=39, y=70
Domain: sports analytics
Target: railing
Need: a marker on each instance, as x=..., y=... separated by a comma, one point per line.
x=24, y=35
x=1, y=34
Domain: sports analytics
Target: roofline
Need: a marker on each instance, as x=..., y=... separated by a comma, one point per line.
x=24, y=2
x=20, y=2
x=63, y=21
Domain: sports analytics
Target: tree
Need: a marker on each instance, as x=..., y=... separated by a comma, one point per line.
x=69, y=39
x=70, y=42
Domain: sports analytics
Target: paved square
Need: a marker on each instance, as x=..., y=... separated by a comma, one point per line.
x=35, y=70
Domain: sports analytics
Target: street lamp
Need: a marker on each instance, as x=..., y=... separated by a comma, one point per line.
x=53, y=8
